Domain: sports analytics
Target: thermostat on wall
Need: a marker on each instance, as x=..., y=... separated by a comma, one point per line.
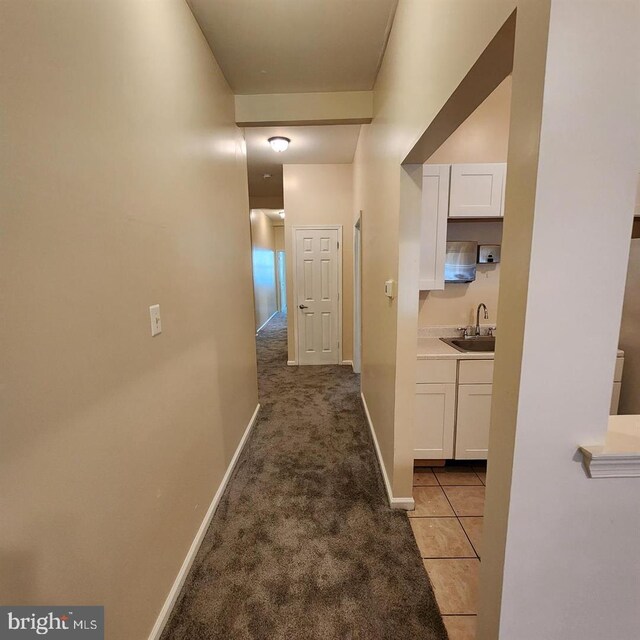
x=390, y=288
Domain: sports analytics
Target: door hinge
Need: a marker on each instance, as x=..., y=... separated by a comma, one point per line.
x=338, y=244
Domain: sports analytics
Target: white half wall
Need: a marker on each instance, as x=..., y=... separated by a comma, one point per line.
x=561, y=557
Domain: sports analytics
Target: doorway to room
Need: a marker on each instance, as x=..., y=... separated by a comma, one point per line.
x=281, y=281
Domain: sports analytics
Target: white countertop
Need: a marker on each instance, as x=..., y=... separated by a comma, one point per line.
x=435, y=349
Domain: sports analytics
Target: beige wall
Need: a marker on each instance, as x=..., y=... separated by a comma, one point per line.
x=263, y=246
x=321, y=194
x=432, y=46
x=123, y=184
x=308, y=108
x=484, y=135
x=630, y=335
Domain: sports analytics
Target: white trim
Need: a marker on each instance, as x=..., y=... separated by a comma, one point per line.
x=262, y=326
x=357, y=294
x=348, y=363
x=178, y=583
x=610, y=465
x=292, y=363
x=408, y=504
x=294, y=266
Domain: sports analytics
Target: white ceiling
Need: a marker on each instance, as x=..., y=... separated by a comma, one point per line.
x=329, y=144
x=290, y=46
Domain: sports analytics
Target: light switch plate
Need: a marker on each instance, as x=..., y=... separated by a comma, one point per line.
x=390, y=288
x=156, y=324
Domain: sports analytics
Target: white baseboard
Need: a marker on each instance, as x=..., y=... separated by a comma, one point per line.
x=408, y=504
x=348, y=363
x=178, y=583
x=264, y=324
x=292, y=363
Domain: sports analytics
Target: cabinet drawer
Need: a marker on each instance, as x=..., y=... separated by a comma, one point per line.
x=475, y=372
x=617, y=376
x=439, y=371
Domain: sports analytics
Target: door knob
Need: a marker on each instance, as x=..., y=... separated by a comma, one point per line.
x=302, y=306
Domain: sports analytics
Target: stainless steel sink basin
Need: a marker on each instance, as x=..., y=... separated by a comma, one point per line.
x=473, y=344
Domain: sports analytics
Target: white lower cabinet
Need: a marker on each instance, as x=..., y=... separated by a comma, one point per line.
x=434, y=422
x=473, y=421
x=453, y=408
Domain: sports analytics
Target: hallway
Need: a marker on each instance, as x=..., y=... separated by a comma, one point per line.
x=303, y=544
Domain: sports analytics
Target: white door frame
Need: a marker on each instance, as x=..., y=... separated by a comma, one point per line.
x=294, y=265
x=357, y=295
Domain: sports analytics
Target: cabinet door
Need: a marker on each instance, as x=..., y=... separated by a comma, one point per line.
x=434, y=421
x=433, y=225
x=472, y=425
x=477, y=190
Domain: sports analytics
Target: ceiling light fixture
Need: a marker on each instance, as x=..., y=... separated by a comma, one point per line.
x=279, y=143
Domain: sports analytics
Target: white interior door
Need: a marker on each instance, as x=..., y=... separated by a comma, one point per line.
x=317, y=295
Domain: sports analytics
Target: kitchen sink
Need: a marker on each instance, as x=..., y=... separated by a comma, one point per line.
x=472, y=344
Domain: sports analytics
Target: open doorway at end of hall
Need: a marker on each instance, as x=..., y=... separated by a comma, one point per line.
x=281, y=281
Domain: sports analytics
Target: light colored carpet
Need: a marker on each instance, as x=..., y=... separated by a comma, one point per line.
x=303, y=545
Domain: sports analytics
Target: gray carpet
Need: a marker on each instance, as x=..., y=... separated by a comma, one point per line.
x=303, y=545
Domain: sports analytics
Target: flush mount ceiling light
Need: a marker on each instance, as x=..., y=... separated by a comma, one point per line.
x=279, y=143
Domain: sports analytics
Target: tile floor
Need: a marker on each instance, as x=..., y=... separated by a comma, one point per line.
x=447, y=525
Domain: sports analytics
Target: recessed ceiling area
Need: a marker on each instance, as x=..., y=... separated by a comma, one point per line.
x=329, y=144
x=296, y=46
x=273, y=215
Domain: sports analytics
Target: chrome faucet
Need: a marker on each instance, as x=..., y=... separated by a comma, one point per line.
x=486, y=316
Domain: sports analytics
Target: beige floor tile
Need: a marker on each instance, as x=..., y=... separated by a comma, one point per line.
x=457, y=476
x=466, y=501
x=455, y=584
x=460, y=627
x=473, y=528
x=430, y=501
x=441, y=538
x=424, y=478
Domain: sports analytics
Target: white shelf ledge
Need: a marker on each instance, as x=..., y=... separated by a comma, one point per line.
x=619, y=456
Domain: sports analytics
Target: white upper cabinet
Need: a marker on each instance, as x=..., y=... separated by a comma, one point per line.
x=433, y=227
x=477, y=190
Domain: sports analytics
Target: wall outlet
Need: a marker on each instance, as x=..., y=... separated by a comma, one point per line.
x=156, y=323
